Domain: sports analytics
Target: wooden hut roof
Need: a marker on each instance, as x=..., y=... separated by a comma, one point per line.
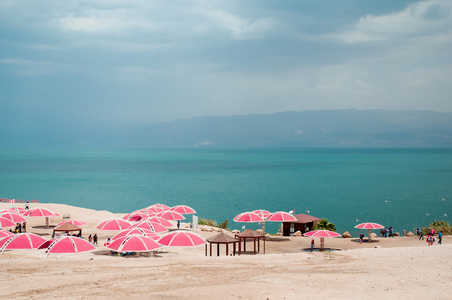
x=249, y=233
x=67, y=227
x=222, y=238
x=304, y=218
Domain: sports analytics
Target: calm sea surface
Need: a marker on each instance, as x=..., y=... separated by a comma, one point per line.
x=394, y=187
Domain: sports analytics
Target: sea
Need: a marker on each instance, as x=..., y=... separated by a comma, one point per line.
x=404, y=188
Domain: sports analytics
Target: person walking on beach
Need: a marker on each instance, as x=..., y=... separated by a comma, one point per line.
x=440, y=237
x=312, y=245
x=95, y=239
x=178, y=224
x=361, y=238
x=27, y=205
x=90, y=239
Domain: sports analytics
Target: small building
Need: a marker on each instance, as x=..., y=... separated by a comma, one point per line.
x=222, y=238
x=66, y=228
x=304, y=223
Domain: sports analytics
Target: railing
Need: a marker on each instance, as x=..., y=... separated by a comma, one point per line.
x=4, y=200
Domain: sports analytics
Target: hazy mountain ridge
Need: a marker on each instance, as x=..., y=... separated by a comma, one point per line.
x=323, y=128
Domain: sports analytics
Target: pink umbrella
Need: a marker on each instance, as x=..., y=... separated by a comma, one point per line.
x=171, y=215
x=369, y=226
x=134, y=243
x=163, y=207
x=16, y=218
x=4, y=222
x=183, y=209
x=248, y=217
x=17, y=209
x=73, y=222
x=156, y=227
x=322, y=234
x=153, y=210
x=262, y=212
x=21, y=241
x=40, y=212
x=182, y=239
x=137, y=231
x=67, y=244
x=113, y=224
x=281, y=216
x=135, y=216
x=4, y=233
x=161, y=221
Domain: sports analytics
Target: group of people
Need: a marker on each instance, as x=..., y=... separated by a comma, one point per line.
x=387, y=232
x=93, y=239
x=20, y=228
x=430, y=236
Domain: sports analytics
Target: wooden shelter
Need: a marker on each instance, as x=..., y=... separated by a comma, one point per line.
x=304, y=223
x=68, y=228
x=222, y=238
x=250, y=234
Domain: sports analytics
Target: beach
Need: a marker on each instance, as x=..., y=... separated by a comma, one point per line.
x=388, y=268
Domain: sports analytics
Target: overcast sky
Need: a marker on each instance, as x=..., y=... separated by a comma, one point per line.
x=152, y=61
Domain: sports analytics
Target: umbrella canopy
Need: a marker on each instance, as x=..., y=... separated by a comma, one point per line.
x=21, y=241
x=73, y=222
x=151, y=210
x=16, y=209
x=137, y=231
x=182, y=239
x=15, y=217
x=40, y=212
x=281, y=216
x=369, y=226
x=156, y=227
x=322, y=234
x=4, y=233
x=134, y=243
x=135, y=216
x=163, y=207
x=183, y=209
x=248, y=217
x=4, y=222
x=67, y=244
x=161, y=221
x=171, y=215
x=113, y=224
x=262, y=212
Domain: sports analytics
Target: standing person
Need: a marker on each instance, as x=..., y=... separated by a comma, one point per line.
x=25, y=227
x=440, y=237
x=390, y=232
x=95, y=239
x=90, y=239
x=421, y=234
x=20, y=228
x=312, y=245
x=429, y=239
x=361, y=238
x=27, y=205
x=178, y=224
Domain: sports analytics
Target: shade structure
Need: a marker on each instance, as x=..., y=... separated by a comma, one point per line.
x=281, y=216
x=67, y=244
x=4, y=233
x=16, y=209
x=171, y=215
x=248, y=217
x=153, y=210
x=40, y=212
x=15, y=217
x=183, y=209
x=21, y=241
x=163, y=207
x=134, y=243
x=113, y=224
x=322, y=234
x=182, y=239
x=369, y=226
x=4, y=222
x=161, y=221
x=73, y=222
x=153, y=226
x=137, y=231
x=135, y=216
x=262, y=212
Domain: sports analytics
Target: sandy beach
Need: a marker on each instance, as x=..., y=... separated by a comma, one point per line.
x=388, y=268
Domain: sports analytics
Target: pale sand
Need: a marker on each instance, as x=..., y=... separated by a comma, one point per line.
x=400, y=268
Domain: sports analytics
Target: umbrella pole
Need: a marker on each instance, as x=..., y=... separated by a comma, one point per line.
x=322, y=244
x=263, y=228
x=369, y=235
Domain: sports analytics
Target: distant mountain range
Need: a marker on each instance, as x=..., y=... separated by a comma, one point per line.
x=323, y=128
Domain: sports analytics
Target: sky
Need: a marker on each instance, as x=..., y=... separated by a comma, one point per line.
x=157, y=61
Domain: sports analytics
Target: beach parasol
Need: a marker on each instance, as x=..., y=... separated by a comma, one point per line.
x=322, y=234
x=262, y=212
x=281, y=216
x=156, y=227
x=113, y=224
x=134, y=243
x=15, y=217
x=67, y=244
x=369, y=226
x=137, y=231
x=152, y=210
x=40, y=212
x=135, y=216
x=161, y=221
x=21, y=241
x=163, y=207
x=171, y=216
x=182, y=239
x=248, y=217
x=73, y=222
x=4, y=233
x=183, y=209
x=4, y=222
x=16, y=209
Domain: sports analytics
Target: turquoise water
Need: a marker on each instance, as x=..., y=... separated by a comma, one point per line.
x=393, y=187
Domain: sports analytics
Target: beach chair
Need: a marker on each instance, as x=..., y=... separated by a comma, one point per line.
x=66, y=217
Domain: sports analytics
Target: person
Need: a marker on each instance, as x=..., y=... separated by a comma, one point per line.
x=90, y=239
x=391, y=232
x=178, y=224
x=25, y=227
x=429, y=239
x=95, y=239
x=421, y=235
x=418, y=233
x=312, y=245
x=440, y=237
x=361, y=238
x=20, y=228
x=27, y=205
